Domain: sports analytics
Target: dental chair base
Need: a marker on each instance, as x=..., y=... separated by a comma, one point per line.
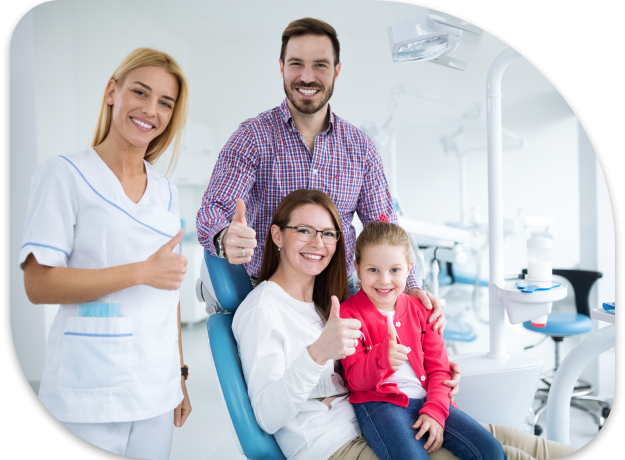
x=499, y=390
x=559, y=402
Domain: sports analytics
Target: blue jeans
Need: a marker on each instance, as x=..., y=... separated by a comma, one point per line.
x=388, y=430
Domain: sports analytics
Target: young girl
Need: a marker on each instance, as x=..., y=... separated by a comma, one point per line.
x=396, y=375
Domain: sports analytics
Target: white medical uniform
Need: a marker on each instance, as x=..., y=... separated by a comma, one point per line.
x=102, y=370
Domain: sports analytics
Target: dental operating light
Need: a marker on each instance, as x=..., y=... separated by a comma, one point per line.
x=428, y=37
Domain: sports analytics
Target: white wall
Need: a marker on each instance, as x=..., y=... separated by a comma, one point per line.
x=57, y=81
x=244, y=80
x=598, y=252
x=78, y=45
x=232, y=66
x=231, y=61
x=27, y=320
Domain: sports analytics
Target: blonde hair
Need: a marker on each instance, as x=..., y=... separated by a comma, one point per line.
x=143, y=57
x=377, y=233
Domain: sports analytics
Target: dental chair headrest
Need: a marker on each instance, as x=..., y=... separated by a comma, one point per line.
x=231, y=282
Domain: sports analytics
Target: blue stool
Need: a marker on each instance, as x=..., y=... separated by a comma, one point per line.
x=561, y=325
x=232, y=284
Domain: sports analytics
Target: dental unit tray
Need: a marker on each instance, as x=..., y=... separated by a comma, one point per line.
x=609, y=307
x=523, y=306
x=530, y=286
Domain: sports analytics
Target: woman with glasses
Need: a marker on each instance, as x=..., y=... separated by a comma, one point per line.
x=295, y=394
x=291, y=336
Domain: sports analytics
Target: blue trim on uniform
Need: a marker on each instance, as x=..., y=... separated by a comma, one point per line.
x=113, y=204
x=98, y=335
x=46, y=246
x=170, y=197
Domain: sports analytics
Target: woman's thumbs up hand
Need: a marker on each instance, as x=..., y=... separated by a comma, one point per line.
x=338, y=339
x=397, y=353
x=165, y=269
x=240, y=240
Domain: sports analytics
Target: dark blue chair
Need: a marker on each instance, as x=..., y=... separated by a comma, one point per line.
x=231, y=284
x=561, y=325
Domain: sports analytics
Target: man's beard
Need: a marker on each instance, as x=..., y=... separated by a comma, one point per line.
x=308, y=106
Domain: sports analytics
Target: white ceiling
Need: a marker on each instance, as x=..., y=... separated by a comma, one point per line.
x=205, y=21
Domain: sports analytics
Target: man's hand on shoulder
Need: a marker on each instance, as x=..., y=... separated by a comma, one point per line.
x=431, y=303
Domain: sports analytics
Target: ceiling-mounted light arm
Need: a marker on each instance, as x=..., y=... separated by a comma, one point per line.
x=452, y=21
x=450, y=62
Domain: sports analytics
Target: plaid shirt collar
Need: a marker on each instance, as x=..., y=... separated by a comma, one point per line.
x=285, y=113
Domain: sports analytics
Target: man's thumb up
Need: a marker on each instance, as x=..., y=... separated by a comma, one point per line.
x=239, y=215
x=335, y=310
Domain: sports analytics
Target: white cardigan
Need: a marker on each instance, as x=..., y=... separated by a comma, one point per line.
x=274, y=331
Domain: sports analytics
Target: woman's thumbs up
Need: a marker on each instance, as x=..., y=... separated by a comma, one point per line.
x=335, y=309
x=339, y=337
x=165, y=269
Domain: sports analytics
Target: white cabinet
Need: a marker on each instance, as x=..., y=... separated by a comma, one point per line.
x=191, y=309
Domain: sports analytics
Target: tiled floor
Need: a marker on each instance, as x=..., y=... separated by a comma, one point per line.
x=207, y=433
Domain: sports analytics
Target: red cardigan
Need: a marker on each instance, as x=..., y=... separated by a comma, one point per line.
x=368, y=368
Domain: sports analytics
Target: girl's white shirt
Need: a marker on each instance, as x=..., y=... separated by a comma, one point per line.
x=273, y=331
x=99, y=369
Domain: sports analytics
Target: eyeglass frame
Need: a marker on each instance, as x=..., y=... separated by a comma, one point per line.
x=338, y=233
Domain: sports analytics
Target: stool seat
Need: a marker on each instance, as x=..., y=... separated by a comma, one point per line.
x=468, y=278
x=562, y=324
x=458, y=331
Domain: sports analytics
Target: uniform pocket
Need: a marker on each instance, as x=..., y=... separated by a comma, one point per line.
x=96, y=354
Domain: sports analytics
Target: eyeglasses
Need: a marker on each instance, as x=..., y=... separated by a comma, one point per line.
x=307, y=234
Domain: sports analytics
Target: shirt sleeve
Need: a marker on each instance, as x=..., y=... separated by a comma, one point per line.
x=277, y=392
x=51, y=216
x=233, y=177
x=436, y=365
x=366, y=369
x=375, y=199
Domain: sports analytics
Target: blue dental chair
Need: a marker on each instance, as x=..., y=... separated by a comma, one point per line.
x=231, y=284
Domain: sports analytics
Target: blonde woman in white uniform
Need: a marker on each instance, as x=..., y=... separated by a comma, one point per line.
x=103, y=231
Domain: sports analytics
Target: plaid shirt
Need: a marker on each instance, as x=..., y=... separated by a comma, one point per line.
x=267, y=158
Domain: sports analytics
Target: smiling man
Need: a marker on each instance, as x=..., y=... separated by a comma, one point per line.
x=300, y=144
